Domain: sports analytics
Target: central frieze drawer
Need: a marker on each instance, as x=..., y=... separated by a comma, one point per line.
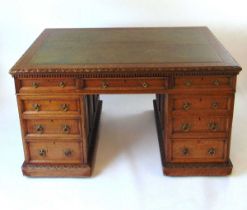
x=112, y=84
x=50, y=126
x=55, y=152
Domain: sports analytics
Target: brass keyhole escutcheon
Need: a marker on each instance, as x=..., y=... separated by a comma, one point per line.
x=216, y=82
x=188, y=83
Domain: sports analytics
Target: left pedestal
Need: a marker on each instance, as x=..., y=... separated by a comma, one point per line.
x=59, y=128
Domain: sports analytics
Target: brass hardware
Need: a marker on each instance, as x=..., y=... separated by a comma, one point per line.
x=187, y=106
x=36, y=107
x=186, y=127
x=211, y=151
x=67, y=152
x=65, y=107
x=35, y=85
x=216, y=82
x=39, y=129
x=61, y=84
x=213, y=126
x=104, y=85
x=215, y=105
x=42, y=152
x=144, y=84
x=188, y=83
x=66, y=129
x=185, y=151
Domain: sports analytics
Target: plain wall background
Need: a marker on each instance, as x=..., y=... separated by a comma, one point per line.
x=128, y=170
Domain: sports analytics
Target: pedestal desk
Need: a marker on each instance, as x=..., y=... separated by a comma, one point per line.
x=60, y=77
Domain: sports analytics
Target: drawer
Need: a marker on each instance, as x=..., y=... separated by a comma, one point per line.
x=37, y=105
x=118, y=84
x=189, y=103
x=198, y=150
x=47, y=85
x=197, y=126
x=55, y=152
x=204, y=82
x=50, y=126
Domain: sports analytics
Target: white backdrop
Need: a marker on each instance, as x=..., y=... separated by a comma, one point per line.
x=128, y=174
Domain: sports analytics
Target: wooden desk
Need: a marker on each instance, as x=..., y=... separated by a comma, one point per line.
x=59, y=78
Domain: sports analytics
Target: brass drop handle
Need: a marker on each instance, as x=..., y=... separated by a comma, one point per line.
x=216, y=82
x=215, y=105
x=66, y=129
x=185, y=151
x=188, y=83
x=35, y=85
x=67, y=152
x=186, y=127
x=213, y=126
x=65, y=107
x=145, y=85
x=36, y=107
x=61, y=84
x=104, y=85
x=186, y=106
x=42, y=152
x=39, y=129
x=211, y=151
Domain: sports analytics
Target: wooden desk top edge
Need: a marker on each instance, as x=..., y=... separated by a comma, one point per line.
x=228, y=64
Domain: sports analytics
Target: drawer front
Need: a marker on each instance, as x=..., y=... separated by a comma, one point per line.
x=197, y=126
x=204, y=82
x=201, y=103
x=198, y=150
x=42, y=126
x=51, y=105
x=55, y=152
x=118, y=84
x=47, y=85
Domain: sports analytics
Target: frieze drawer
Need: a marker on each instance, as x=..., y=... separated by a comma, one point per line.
x=47, y=85
x=204, y=82
x=122, y=84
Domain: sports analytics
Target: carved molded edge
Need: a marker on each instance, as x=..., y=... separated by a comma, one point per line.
x=122, y=73
x=54, y=167
x=198, y=165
